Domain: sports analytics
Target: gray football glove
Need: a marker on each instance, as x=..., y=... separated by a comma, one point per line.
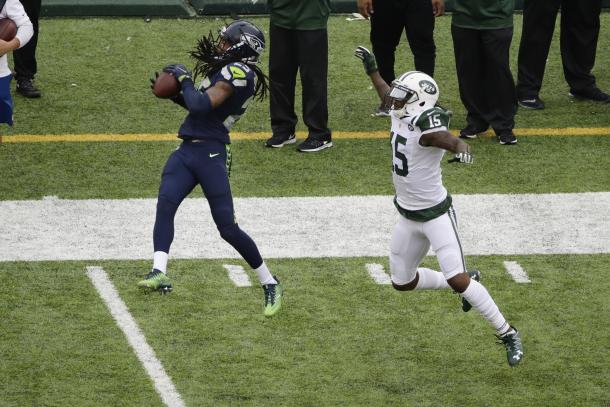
x=368, y=59
x=464, y=158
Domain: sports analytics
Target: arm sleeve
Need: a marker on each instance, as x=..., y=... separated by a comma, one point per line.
x=179, y=100
x=196, y=102
x=25, y=29
x=435, y=119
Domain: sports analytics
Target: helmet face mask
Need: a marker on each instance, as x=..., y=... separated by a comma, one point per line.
x=246, y=41
x=413, y=93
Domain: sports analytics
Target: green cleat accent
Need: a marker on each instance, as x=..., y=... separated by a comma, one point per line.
x=475, y=275
x=273, y=298
x=156, y=280
x=514, y=348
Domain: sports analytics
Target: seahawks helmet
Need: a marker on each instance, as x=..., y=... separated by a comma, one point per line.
x=418, y=90
x=247, y=41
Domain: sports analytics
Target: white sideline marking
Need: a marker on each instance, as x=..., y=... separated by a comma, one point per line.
x=378, y=274
x=238, y=275
x=146, y=355
x=516, y=272
x=98, y=229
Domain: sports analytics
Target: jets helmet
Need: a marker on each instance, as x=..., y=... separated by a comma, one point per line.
x=246, y=41
x=412, y=93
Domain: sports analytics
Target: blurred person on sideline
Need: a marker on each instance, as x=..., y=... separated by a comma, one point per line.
x=578, y=42
x=482, y=31
x=13, y=10
x=24, y=58
x=298, y=40
x=389, y=19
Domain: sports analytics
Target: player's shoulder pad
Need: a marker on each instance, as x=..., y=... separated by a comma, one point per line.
x=237, y=74
x=435, y=117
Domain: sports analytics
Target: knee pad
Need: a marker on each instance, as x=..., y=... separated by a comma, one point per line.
x=400, y=273
x=451, y=261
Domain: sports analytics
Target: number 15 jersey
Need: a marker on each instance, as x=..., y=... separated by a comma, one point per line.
x=416, y=170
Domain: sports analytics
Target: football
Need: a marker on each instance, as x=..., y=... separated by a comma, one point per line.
x=8, y=29
x=166, y=86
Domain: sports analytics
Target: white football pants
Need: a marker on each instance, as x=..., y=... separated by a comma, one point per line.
x=411, y=241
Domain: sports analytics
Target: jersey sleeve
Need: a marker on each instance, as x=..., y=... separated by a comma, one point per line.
x=435, y=119
x=25, y=29
x=237, y=74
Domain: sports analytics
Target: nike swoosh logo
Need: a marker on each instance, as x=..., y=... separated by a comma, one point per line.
x=214, y=155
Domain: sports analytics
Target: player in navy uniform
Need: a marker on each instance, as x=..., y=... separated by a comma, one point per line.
x=231, y=80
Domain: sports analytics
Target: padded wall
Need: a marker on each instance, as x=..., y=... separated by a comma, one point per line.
x=186, y=8
x=178, y=8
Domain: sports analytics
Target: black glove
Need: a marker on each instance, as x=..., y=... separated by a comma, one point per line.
x=179, y=71
x=464, y=158
x=367, y=58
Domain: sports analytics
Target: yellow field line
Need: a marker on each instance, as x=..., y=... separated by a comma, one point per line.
x=47, y=138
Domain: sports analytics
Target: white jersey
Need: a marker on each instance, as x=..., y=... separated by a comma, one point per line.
x=14, y=10
x=416, y=169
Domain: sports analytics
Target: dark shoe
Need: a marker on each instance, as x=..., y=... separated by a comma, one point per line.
x=279, y=140
x=310, y=145
x=475, y=275
x=507, y=137
x=593, y=94
x=471, y=132
x=26, y=88
x=514, y=349
x=533, y=103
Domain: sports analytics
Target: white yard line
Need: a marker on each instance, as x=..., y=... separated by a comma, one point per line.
x=238, y=275
x=342, y=226
x=516, y=272
x=146, y=355
x=377, y=273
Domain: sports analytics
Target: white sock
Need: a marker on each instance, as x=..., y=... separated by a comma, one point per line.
x=264, y=275
x=430, y=279
x=476, y=294
x=160, y=261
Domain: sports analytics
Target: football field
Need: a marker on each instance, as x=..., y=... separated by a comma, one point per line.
x=79, y=175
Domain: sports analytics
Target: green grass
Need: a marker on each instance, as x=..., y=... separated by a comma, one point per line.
x=353, y=167
x=340, y=340
x=94, y=77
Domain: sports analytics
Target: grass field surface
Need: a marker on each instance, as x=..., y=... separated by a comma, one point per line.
x=341, y=338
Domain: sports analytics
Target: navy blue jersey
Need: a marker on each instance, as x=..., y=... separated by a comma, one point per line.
x=216, y=123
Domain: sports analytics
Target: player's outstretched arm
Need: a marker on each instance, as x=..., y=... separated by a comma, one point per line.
x=197, y=102
x=447, y=141
x=370, y=67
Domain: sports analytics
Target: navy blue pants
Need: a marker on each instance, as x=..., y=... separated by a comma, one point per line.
x=207, y=164
x=6, y=101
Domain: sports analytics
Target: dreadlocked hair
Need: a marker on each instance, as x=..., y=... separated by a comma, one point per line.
x=209, y=61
